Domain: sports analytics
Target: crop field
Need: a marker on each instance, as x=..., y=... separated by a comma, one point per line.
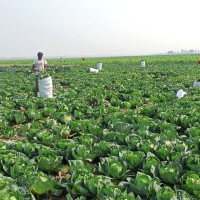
x=120, y=134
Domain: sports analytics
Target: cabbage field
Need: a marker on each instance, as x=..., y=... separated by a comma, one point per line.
x=120, y=134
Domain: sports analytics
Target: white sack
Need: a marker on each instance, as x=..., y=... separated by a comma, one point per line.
x=46, y=87
x=46, y=95
x=94, y=70
x=196, y=84
x=99, y=66
x=180, y=94
x=143, y=63
x=46, y=81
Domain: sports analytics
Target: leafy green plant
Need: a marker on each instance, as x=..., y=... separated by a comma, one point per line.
x=191, y=183
x=33, y=114
x=193, y=162
x=165, y=193
x=20, y=118
x=50, y=123
x=81, y=152
x=134, y=159
x=170, y=173
x=62, y=131
x=8, y=132
x=113, y=166
x=48, y=163
x=9, y=189
x=48, y=112
x=151, y=164
x=144, y=185
x=43, y=75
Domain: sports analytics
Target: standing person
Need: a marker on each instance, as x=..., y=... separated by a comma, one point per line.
x=61, y=59
x=39, y=65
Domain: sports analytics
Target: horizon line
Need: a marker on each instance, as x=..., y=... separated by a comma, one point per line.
x=93, y=56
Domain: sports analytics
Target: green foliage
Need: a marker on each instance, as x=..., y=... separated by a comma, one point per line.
x=48, y=163
x=82, y=152
x=9, y=189
x=134, y=159
x=43, y=75
x=191, y=183
x=113, y=166
x=144, y=185
x=170, y=173
x=118, y=134
x=165, y=193
x=193, y=162
x=20, y=118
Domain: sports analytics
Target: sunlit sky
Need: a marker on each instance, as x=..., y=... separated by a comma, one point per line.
x=98, y=27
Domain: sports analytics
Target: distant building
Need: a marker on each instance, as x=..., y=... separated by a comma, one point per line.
x=191, y=51
x=170, y=52
x=183, y=51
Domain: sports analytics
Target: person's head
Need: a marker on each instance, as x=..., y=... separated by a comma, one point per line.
x=40, y=55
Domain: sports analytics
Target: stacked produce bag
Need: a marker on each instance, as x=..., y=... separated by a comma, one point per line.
x=45, y=86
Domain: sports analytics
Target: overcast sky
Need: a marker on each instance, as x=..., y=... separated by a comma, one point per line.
x=98, y=27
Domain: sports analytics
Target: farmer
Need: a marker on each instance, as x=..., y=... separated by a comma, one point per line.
x=61, y=59
x=39, y=65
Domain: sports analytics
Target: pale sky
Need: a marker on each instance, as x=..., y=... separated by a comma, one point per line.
x=98, y=27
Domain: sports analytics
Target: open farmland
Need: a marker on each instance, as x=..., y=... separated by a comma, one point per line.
x=118, y=134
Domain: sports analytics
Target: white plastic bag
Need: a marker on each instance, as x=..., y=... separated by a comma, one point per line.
x=143, y=63
x=94, y=70
x=180, y=94
x=99, y=66
x=46, y=87
x=196, y=83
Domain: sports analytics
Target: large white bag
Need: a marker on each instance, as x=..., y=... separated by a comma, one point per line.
x=196, y=83
x=180, y=94
x=46, y=87
x=99, y=66
x=94, y=70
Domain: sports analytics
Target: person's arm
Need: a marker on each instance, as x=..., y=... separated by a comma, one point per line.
x=45, y=68
x=33, y=68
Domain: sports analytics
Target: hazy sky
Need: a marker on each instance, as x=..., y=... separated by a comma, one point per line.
x=98, y=27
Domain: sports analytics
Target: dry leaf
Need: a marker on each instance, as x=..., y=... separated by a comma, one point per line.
x=22, y=109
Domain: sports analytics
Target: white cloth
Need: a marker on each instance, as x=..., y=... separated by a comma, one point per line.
x=39, y=65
